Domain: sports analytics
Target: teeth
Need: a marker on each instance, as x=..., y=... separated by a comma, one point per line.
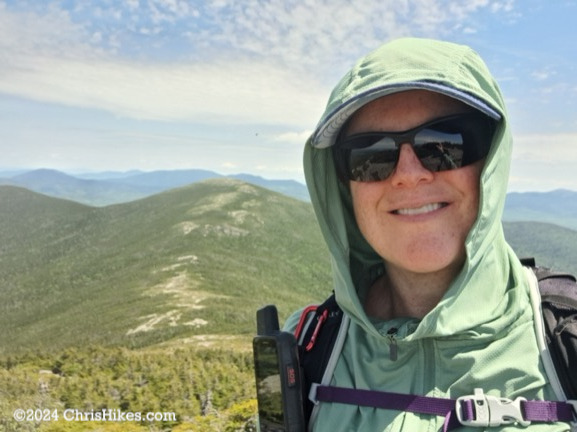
x=420, y=210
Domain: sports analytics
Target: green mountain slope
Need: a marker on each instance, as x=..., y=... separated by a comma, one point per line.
x=551, y=245
x=189, y=262
x=188, y=265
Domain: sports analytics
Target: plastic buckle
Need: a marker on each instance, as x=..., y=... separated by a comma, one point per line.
x=313, y=393
x=491, y=411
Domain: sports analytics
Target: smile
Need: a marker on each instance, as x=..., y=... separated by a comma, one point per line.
x=427, y=208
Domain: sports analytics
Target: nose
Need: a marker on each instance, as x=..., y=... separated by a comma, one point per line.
x=409, y=170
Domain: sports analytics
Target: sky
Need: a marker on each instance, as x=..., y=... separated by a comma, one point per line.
x=236, y=86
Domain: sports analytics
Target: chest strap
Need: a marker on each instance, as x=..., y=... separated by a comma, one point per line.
x=480, y=409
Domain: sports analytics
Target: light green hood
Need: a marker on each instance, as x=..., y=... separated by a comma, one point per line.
x=481, y=334
x=456, y=71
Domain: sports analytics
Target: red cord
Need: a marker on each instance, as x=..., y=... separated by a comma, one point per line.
x=320, y=322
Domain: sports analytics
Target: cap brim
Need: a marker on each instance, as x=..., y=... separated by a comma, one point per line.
x=327, y=131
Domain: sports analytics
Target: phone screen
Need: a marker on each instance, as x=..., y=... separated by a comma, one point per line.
x=268, y=386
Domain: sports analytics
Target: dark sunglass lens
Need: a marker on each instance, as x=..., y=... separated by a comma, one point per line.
x=438, y=150
x=374, y=162
x=477, y=134
x=445, y=144
x=454, y=143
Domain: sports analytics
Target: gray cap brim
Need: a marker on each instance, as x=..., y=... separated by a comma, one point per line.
x=328, y=129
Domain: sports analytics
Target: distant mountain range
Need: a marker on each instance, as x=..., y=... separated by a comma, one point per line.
x=102, y=189
x=557, y=207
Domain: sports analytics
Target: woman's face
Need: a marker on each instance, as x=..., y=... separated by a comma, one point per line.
x=416, y=219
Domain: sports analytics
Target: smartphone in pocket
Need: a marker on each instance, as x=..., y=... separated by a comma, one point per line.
x=278, y=378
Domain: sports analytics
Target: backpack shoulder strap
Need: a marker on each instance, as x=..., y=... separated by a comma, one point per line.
x=546, y=276
x=541, y=334
x=554, y=302
x=320, y=335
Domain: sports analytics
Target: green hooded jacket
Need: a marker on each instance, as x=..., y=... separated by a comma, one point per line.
x=481, y=334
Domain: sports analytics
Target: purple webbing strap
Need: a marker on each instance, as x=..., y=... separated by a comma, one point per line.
x=396, y=401
x=541, y=411
x=386, y=400
x=547, y=411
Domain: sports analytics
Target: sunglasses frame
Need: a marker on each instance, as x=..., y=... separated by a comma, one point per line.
x=344, y=145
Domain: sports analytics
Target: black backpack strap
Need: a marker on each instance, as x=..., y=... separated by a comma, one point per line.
x=317, y=332
x=559, y=309
x=547, y=276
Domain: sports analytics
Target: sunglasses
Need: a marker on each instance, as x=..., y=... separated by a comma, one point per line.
x=443, y=144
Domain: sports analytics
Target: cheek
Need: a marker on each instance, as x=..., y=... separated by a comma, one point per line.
x=364, y=198
x=467, y=181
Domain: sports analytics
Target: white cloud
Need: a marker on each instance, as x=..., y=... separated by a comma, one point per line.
x=469, y=30
x=330, y=33
x=542, y=74
x=502, y=6
x=250, y=61
x=543, y=162
x=133, y=4
x=221, y=91
x=294, y=137
x=550, y=148
x=25, y=34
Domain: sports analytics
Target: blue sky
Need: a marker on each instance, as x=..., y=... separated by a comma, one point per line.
x=237, y=86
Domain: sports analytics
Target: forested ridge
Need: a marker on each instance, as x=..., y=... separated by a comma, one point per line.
x=206, y=389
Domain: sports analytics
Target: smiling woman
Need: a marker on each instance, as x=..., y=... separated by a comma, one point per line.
x=407, y=171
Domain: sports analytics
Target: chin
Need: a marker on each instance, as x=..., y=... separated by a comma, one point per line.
x=432, y=262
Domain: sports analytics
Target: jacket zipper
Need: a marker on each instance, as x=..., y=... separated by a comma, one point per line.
x=393, y=347
x=428, y=353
